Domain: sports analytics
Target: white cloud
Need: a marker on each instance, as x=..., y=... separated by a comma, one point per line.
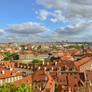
x=73, y=32
x=26, y=28
x=29, y=31
x=2, y=32
x=70, y=8
x=35, y=31
x=80, y=26
x=53, y=20
x=43, y=14
x=36, y=12
x=55, y=16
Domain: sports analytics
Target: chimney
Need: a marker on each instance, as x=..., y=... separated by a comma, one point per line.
x=46, y=78
x=25, y=66
x=52, y=68
x=28, y=67
x=40, y=88
x=55, y=63
x=59, y=68
x=39, y=68
x=45, y=68
x=21, y=66
x=47, y=63
x=43, y=62
x=11, y=69
x=66, y=68
x=3, y=72
x=48, y=72
x=18, y=65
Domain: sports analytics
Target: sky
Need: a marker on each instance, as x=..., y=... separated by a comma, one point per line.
x=45, y=20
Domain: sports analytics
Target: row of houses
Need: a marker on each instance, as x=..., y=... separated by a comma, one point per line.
x=64, y=74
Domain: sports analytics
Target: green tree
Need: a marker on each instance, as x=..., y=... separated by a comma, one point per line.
x=13, y=88
x=10, y=56
x=36, y=61
x=15, y=56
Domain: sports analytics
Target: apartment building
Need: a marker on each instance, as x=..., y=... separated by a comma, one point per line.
x=9, y=75
x=30, y=57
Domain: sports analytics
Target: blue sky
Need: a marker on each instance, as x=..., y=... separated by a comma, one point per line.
x=45, y=20
x=16, y=11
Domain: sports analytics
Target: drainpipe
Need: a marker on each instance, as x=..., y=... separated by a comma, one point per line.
x=85, y=76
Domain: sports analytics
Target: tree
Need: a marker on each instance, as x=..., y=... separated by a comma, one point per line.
x=36, y=61
x=13, y=88
x=10, y=56
x=15, y=56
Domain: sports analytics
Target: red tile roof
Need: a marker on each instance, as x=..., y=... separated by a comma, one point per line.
x=27, y=80
x=89, y=74
x=6, y=73
x=82, y=61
